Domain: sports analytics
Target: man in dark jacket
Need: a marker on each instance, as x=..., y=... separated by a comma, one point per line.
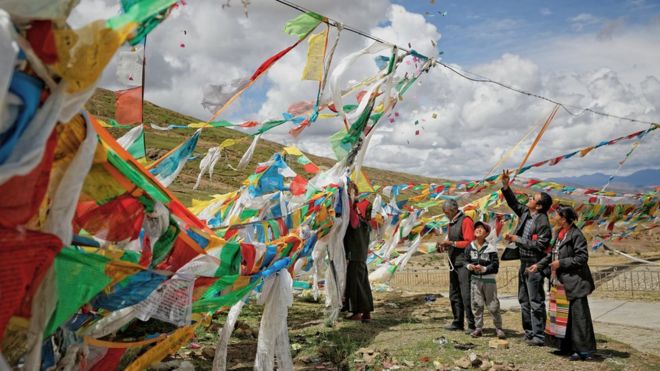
x=532, y=236
x=459, y=235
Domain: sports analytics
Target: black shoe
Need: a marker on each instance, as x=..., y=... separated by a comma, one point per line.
x=580, y=357
x=560, y=352
x=535, y=342
x=526, y=338
x=453, y=327
x=574, y=357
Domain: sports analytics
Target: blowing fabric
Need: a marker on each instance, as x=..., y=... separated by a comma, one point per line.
x=220, y=358
x=335, y=274
x=170, y=345
x=21, y=195
x=32, y=9
x=128, y=106
x=67, y=192
x=267, y=64
x=303, y=24
x=168, y=167
x=315, y=56
x=31, y=145
x=217, y=95
x=28, y=91
x=273, y=342
x=118, y=220
x=25, y=257
x=132, y=290
x=171, y=302
x=79, y=276
x=342, y=67
x=129, y=67
x=247, y=156
x=208, y=164
x=8, y=53
x=112, y=322
x=133, y=142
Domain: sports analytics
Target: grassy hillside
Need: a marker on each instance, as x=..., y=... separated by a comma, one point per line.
x=102, y=104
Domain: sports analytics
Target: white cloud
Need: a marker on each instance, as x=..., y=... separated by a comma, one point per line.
x=545, y=11
x=476, y=123
x=582, y=20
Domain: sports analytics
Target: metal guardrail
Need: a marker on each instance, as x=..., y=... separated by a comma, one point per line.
x=626, y=280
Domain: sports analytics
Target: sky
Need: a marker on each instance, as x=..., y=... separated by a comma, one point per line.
x=601, y=55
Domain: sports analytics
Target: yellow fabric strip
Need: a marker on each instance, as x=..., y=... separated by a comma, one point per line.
x=538, y=137
x=315, y=57
x=170, y=345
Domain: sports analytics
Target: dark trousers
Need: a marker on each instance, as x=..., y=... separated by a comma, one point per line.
x=459, y=296
x=531, y=297
x=580, y=336
x=358, y=291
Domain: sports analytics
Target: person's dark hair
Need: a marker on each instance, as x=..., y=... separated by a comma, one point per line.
x=545, y=202
x=567, y=213
x=450, y=205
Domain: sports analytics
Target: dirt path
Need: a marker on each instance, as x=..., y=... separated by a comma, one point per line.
x=642, y=339
x=407, y=333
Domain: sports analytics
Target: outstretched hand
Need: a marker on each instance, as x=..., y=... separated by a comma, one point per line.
x=505, y=179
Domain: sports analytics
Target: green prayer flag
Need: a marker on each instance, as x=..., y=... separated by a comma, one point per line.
x=303, y=24
x=79, y=276
x=139, y=12
x=136, y=149
x=137, y=177
x=164, y=244
x=221, y=124
x=269, y=125
x=248, y=213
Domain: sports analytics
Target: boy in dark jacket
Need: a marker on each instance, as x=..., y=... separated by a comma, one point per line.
x=482, y=262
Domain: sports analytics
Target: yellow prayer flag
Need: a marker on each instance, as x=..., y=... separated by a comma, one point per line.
x=315, y=57
x=197, y=125
x=84, y=53
x=169, y=346
x=585, y=151
x=362, y=182
x=230, y=142
x=293, y=151
x=227, y=143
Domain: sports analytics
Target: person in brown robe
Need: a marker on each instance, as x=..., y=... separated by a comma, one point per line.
x=357, y=297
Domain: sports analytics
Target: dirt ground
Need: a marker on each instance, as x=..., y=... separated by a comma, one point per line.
x=405, y=333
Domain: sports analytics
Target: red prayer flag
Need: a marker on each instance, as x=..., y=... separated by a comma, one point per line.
x=249, y=124
x=298, y=129
x=311, y=168
x=25, y=257
x=128, y=106
x=298, y=185
x=118, y=220
x=21, y=195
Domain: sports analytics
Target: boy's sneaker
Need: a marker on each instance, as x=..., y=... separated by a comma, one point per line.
x=500, y=334
x=476, y=333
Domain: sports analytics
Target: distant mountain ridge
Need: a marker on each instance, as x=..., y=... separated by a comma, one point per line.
x=639, y=180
